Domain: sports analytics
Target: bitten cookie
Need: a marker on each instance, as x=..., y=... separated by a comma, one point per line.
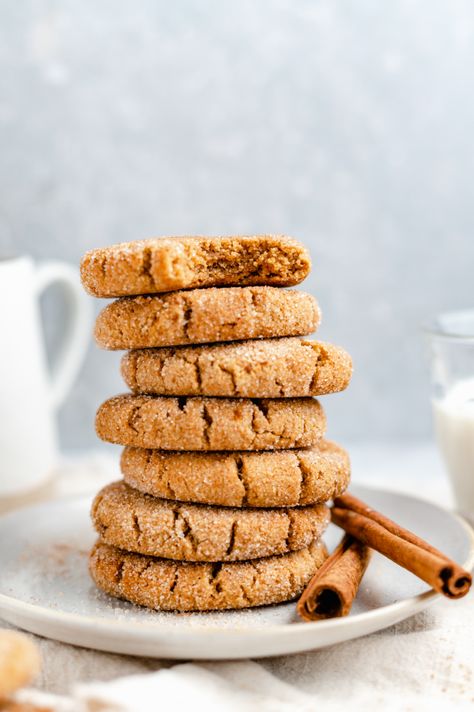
x=130, y=520
x=19, y=662
x=287, y=478
x=177, y=586
x=205, y=316
x=169, y=263
x=167, y=423
x=270, y=368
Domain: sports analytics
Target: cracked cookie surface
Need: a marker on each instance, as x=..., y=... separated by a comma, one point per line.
x=206, y=316
x=178, y=586
x=130, y=520
x=267, y=368
x=286, y=478
x=170, y=263
x=196, y=423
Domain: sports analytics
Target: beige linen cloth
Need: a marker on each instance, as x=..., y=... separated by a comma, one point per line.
x=423, y=663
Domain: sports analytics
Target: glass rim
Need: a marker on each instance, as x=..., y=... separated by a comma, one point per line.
x=433, y=327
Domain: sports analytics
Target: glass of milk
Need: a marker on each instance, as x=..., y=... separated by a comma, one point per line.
x=451, y=339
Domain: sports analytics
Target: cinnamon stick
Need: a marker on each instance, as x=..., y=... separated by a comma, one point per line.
x=334, y=586
x=401, y=546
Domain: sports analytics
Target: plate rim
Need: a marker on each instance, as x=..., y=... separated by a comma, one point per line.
x=148, y=632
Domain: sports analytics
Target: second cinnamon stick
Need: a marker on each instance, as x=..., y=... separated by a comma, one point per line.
x=401, y=546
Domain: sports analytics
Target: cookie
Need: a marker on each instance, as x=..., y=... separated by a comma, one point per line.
x=287, y=478
x=177, y=586
x=197, y=423
x=205, y=316
x=269, y=368
x=19, y=662
x=130, y=520
x=13, y=706
x=169, y=263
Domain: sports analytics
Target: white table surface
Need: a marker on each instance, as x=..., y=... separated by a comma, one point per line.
x=422, y=663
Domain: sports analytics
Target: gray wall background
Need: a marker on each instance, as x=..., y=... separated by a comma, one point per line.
x=346, y=124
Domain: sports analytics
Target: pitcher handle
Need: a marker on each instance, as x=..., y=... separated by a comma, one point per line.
x=78, y=323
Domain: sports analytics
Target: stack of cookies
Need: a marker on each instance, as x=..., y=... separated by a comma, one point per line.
x=225, y=469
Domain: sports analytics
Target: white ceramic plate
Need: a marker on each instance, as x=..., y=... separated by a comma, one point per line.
x=45, y=588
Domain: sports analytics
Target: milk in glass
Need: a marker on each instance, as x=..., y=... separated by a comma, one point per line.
x=454, y=425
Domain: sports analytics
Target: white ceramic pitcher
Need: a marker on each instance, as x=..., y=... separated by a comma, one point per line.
x=29, y=395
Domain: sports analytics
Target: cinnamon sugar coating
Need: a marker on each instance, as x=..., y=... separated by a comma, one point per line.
x=204, y=316
x=287, y=478
x=197, y=423
x=269, y=368
x=178, y=586
x=169, y=263
x=133, y=521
